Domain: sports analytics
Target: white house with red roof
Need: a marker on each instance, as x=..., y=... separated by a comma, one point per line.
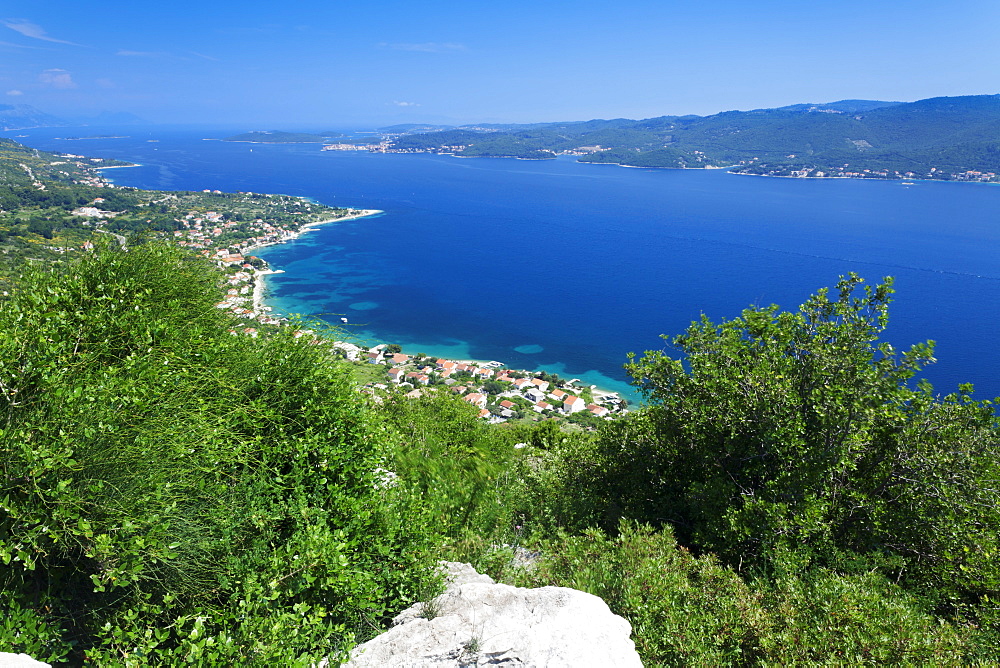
x=476, y=399
x=540, y=384
x=599, y=411
x=573, y=404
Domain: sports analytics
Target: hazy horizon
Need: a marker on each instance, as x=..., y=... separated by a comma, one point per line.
x=312, y=64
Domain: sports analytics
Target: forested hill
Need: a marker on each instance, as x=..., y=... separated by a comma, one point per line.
x=943, y=138
x=52, y=205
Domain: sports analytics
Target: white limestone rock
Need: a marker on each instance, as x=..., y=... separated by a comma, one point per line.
x=477, y=622
x=8, y=660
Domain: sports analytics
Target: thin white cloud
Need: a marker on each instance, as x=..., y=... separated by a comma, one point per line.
x=426, y=47
x=141, y=54
x=405, y=104
x=105, y=83
x=33, y=30
x=202, y=55
x=15, y=92
x=57, y=78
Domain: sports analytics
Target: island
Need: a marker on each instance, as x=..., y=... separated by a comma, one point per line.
x=278, y=137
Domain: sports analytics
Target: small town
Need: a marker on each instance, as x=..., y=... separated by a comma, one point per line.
x=758, y=168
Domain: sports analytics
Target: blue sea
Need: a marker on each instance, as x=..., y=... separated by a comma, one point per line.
x=568, y=267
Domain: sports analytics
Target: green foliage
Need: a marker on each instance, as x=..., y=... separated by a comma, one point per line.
x=464, y=470
x=563, y=479
x=168, y=487
x=820, y=616
x=782, y=428
x=690, y=610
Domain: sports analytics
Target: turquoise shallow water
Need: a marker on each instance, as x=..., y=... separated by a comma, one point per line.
x=567, y=267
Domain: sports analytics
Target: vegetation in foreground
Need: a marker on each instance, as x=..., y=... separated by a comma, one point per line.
x=171, y=493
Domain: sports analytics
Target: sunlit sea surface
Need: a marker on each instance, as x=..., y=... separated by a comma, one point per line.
x=567, y=267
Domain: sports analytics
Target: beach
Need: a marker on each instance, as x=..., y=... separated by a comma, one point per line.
x=259, y=285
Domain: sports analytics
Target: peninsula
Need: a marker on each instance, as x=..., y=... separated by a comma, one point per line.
x=943, y=138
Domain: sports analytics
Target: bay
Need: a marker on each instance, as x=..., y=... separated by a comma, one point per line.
x=567, y=267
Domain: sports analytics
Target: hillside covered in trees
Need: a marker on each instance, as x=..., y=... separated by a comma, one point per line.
x=175, y=492
x=53, y=205
x=943, y=138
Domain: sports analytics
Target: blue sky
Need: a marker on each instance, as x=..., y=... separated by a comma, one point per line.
x=332, y=63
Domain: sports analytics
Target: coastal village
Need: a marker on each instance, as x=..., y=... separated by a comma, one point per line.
x=500, y=393
x=756, y=168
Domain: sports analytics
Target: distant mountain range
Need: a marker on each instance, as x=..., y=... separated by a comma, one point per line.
x=943, y=137
x=24, y=116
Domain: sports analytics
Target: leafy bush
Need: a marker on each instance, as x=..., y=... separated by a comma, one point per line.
x=467, y=472
x=690, y=610
x=168, y=487
x=799, y=428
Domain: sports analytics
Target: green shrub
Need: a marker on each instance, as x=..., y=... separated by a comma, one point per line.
x=690, y=610
x=466, y=472
x=820, y=616
x=168, y=487
x=684, y=610
x=799, y=428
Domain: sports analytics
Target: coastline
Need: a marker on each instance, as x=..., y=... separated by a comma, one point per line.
x=361, y=213
x=258, y=289
x=259, y=284
x=358, y=213
x=261, y=309
x=118, y=166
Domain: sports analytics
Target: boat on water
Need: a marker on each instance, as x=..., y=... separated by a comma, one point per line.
x=907, y=183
